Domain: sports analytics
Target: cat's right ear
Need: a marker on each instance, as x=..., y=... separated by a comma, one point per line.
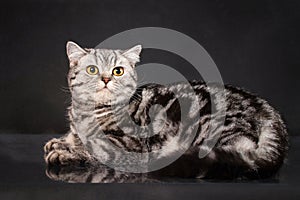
x=74, y=52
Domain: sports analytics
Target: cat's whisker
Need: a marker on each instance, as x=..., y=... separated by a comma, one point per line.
x=65, y=89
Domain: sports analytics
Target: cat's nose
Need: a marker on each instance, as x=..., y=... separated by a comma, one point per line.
x=105, y=79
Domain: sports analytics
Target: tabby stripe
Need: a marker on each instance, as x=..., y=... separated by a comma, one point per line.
x=99, y=55
x=77, y=84
x=228, y=135
x=108, y=124
x=104, y=114
x=137, y=142
x=102, y=106
x=115, y=56
x=103, y=110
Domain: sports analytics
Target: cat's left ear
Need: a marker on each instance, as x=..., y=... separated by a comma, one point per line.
x=133, y=54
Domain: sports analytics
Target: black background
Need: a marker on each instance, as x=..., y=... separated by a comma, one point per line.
x=255, y=44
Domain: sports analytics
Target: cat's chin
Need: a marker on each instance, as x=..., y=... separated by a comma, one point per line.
x=104, y=89
x=104, y=96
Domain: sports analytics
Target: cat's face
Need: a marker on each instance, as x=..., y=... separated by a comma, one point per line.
x=102, y=76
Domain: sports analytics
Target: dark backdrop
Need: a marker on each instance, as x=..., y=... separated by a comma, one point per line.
x=255, y=44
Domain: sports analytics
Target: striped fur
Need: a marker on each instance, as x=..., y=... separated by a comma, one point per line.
x=253, y=140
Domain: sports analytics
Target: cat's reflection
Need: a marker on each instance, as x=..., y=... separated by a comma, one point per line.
x=93, y=174
x=103, y=174
x=186, y=168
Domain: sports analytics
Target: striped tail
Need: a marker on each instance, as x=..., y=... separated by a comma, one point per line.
x=272, y=144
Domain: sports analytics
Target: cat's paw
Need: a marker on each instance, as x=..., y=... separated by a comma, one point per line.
x=62, y=157
x=56, y=144
x=59, y=152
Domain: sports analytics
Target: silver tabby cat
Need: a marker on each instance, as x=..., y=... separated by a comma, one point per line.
x=253, y=140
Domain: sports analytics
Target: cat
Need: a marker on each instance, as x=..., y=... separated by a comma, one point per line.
x=253, y=141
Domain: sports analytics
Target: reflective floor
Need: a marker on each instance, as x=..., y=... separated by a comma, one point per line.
x=23, y=175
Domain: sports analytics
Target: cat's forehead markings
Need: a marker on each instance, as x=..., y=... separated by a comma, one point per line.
x=113, y=59
x=106, y=57
x=95, y=58
x=99, y=56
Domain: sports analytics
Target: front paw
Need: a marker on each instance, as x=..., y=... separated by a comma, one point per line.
x=56, y=144
x=63, y=157
x=59, y=152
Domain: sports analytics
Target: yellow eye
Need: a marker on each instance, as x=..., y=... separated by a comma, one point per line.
x=118, y=71
x=92, y=70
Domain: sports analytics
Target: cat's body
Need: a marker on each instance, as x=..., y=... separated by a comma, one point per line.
x=252, y=141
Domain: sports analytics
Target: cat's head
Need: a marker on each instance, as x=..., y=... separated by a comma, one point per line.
x=102, y=76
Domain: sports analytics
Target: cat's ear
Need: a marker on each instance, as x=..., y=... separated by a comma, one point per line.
x=133, y=54
x=74, y=52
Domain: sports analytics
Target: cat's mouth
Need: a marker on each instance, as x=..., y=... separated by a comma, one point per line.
x=104, y=89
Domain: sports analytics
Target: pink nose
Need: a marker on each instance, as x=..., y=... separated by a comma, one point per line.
x=105, y=80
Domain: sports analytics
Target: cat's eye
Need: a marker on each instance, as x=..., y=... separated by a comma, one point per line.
x=118, y=71
x=92, y=70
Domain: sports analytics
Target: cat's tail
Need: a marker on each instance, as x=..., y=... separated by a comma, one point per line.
x=272, y=146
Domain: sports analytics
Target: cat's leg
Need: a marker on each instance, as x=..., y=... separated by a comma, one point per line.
x=67, y=150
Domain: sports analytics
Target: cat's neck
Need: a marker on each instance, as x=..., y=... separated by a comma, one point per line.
x=100, y=111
